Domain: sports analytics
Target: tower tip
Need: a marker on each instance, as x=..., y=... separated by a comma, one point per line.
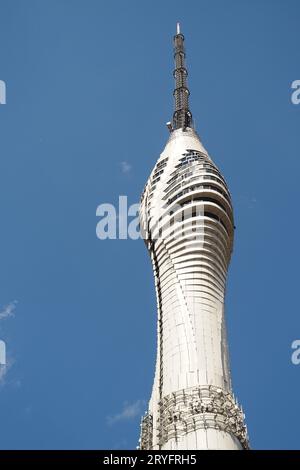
x=182, y=116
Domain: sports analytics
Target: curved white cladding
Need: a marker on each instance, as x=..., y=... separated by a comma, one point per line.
x=187, y=222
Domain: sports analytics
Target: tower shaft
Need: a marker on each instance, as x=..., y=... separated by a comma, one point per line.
x=186, y=218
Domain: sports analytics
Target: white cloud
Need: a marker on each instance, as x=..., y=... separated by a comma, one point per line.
x=129, y=411
x=126, y=167
x=4, y=369
x=8, y=310
x=247, y=201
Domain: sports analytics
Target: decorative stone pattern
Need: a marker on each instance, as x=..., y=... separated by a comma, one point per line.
x=200, y=407
x=146, y=439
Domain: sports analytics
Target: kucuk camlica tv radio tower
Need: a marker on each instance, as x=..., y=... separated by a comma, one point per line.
x=187, y=222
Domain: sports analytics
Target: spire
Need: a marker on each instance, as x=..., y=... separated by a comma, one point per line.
x=182, y=116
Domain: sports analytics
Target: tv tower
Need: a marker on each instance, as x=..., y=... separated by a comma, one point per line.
x=186, y=218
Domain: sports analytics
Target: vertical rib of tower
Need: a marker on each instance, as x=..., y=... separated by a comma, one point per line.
x=186, y=218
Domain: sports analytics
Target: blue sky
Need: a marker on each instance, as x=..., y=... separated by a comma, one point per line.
x=89, y=86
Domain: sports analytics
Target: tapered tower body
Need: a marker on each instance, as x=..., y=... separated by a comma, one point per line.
x=187, y=222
